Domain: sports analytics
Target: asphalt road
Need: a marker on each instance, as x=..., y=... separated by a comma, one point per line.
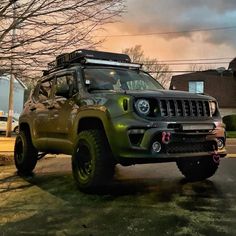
x=151, y=199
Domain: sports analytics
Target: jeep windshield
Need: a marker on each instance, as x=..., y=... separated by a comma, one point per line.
x=118, y=79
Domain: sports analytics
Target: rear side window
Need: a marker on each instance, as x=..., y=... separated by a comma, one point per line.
x=43, y=91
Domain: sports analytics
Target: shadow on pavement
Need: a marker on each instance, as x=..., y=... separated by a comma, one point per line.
x=129, y=205
x=153, y=190
x=198, y=208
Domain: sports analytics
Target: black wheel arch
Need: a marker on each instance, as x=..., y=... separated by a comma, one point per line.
x=87, y=123
x=93, y=123
x=24, y=127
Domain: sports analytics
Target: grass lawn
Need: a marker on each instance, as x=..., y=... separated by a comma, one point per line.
x=231, y=134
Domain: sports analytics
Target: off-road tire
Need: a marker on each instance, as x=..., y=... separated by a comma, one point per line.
x=197, y=169
x=25, y=154
x=92, y=161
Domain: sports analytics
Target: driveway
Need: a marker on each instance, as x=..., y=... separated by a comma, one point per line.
x=152, y=199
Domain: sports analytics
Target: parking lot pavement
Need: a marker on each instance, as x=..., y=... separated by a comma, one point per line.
x=144, y=200
x=152, y=199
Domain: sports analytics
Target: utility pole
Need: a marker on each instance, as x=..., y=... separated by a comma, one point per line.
x=12, y=77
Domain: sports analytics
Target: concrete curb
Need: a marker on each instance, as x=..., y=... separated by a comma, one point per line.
x=6, y=158
x=231, y=156
x=7, y=139
x=7, y=144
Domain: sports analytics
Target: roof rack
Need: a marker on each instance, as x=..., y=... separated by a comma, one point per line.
x=83, y=53
x=85, y=56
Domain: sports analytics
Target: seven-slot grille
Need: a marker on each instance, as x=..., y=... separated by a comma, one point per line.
x=184, y=108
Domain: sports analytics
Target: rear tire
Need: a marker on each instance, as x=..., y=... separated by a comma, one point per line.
x=25, y=154
x=92, y=161
x=16, y=130
x=197, y=169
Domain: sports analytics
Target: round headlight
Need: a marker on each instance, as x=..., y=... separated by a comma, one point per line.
x=213, y=107
x=142, y=106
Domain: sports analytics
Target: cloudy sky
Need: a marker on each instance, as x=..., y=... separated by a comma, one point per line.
x=183, y=16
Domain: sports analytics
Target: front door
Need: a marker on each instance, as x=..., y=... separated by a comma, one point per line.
x=40, y=109
x=63, y=102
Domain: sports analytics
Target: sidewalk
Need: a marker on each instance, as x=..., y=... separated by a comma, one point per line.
x=7, y=144
x=6, y=150
x=231, y=156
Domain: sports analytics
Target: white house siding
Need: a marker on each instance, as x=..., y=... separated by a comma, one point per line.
x=4, y=95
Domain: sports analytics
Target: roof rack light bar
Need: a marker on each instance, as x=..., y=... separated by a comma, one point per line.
x=111, y=63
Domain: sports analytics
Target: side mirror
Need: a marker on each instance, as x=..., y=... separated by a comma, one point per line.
x=88, y=85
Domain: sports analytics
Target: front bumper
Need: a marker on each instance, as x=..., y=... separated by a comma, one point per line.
x=134, y=143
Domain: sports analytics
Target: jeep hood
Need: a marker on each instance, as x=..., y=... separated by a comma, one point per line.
x=167, y=94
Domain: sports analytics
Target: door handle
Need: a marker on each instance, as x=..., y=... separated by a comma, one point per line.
x=33, y=108
x=50, y=107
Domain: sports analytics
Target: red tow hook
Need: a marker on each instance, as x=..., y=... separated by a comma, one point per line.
x=166, y=137
x=216, y=157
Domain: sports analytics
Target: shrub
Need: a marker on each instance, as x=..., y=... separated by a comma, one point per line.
x=230, y=122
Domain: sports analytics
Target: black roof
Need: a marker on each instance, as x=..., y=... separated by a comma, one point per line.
x=232, y=65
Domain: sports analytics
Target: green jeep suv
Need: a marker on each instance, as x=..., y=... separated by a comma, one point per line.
x=104, y=110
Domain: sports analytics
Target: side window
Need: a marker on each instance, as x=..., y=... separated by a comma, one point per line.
x=64, y=86
x=45, y=90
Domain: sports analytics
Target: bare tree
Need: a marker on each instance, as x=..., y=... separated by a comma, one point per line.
x=45, y=28
x=200, y=67
x=159, y=71
x=42, y=29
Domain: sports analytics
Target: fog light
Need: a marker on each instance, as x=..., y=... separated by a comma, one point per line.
x=220, y=143
x=156, y=147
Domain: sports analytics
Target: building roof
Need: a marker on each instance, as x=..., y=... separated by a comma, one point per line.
x=232, y=65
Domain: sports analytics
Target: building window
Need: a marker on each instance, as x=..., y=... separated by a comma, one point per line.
x=196, y=86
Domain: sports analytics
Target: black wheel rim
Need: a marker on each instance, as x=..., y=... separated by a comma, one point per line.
x=19, y=151
x=84, y=162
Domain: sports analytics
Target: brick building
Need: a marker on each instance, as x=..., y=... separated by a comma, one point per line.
x=219, y=83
